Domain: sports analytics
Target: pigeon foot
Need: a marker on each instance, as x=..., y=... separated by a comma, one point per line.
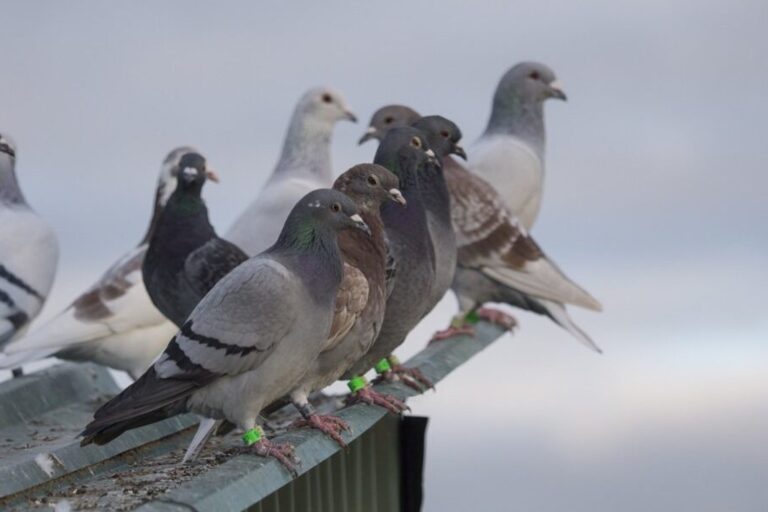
x=411, y=377
x=284, y=453
x=497, y=317
x=331, y=426
x=371, y=397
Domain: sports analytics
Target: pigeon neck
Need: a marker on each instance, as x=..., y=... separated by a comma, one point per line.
x=10, y=193
x=512, y=115
x=307, y=148
x=160, y=200
x=434, y=191
x=314, y=251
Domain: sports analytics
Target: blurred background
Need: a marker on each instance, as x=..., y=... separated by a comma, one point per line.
x=655, y=201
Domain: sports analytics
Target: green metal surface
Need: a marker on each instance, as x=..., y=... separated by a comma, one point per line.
x=141, y=470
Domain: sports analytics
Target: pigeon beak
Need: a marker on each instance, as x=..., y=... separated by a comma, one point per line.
x=556, y=90
x=360, y=223
x=212, y=175
x=397, y=196
x=431, y=158
x=459, y=151
x=370, y=133
x=350, y=116
x=7, y=149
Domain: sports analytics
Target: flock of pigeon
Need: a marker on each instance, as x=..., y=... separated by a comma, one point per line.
x=318, y=280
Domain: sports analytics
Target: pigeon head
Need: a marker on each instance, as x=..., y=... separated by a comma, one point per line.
x=166, y=182
x=403, y=151
x=7, y=146
x=530, y=82
x=323, y=107
x=442, y=134
x=192, y=172
x=319, y=213
x=370, y=185
x=386, y=118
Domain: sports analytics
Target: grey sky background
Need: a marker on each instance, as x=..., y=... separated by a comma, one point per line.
x=655, y=201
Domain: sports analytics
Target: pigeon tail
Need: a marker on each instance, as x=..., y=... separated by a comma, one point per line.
x=204, y=430
x=559, y=314
x=148, y=400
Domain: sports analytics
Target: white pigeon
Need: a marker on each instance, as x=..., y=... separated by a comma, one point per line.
x=114, y=322
x=304, y=165
x=29, y=252
x=510, y=153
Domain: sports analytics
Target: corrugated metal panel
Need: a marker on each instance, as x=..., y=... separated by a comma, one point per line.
x=365, y=476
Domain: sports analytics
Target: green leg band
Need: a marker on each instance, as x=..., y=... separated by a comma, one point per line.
x=357, y=383
x=382, y=366
x=253, y=436
x=472, y=317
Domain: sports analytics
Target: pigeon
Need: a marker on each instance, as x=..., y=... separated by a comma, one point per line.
x=386, y=118
x=360, y=301
x=29, y=253
x=510, y=153
x=517, y=272
x=185, y=257
x=405, y=152
x=114, y=322
x=252, y=338
x=359, y=306
x=305, y=165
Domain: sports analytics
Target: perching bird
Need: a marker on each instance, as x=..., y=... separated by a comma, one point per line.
x=114, y=322
x=510, y=153
x=386, y=118
x=304, y=165
x=252, y=337
x=185, y=257
x=359, y=306
x=29, y=252
x=361, y=298
x=482, y=222
x=405, y=152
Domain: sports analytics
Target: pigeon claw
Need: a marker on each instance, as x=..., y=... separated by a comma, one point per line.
x=331, y=426
x=451, y=332
x=371, y=397
x=411, y=377
x=284, y=453
x=497, y=317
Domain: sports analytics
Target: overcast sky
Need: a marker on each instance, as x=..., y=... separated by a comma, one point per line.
x=655, y=201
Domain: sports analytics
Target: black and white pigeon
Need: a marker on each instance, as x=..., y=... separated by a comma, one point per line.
x=406, y=153
x=29, y=252
x=510, y=153
x=114, y=322
x=513, y=270
x=252, y=338
x=304, y=165
x=185, y=257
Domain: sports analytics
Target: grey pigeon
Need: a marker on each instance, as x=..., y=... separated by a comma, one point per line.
x=361, y=298
x=185, y=257
x=405, y=152
x=252, y=337
x=114, y=322
x=386, y=118
x=510, y=153
x=29, y=252
x=513, y=270
x=304, y=165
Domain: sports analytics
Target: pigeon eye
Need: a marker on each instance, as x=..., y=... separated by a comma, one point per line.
x=373, y=181
x=389, y=120
x=445, y=134
x=327, y=98
x=534, y=75
x=416, y=142
x=336, y=207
